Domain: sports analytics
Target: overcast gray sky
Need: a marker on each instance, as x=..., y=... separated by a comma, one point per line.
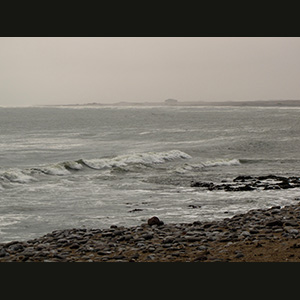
x=64, y=70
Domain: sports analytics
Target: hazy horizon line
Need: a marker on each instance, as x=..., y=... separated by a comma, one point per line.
x=91, y=103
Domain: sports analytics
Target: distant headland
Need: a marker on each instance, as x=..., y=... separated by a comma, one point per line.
x=174, y=102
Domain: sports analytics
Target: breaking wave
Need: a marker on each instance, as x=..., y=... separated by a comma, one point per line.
x=15, y=176
x=211, y=163
x=148, y=158
x=222, y=162
x=66, y=168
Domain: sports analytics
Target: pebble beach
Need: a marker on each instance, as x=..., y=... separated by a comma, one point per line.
x=260, y=235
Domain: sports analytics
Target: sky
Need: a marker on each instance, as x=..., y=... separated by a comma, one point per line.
x=68, y=70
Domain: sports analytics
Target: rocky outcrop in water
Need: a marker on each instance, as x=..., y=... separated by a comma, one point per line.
x=250, y=183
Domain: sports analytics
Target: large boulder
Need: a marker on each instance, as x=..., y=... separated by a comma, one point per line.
x=155, y=221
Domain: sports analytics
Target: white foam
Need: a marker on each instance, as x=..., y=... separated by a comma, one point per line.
x=72, y=165
x=57, y=169
x=148, y=158
x=222, y=162
x=212, y=163
x=16, y=175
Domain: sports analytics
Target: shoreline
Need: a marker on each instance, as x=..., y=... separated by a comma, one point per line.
x=259, y=235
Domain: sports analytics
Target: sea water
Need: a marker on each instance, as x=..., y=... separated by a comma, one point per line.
x=93, y=167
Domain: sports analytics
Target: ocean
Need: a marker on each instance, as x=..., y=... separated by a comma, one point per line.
x=95, y=166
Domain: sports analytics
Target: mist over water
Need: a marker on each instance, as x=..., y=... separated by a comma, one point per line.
x=67, y=167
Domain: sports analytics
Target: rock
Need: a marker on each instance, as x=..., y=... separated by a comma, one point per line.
x=202, y=248
x=285, y=185
x=194, y=206
x=155, y=221
x=293, y=231
x=147, y=236
x=29, y=251
x=242, y=178
x=203, y=184
x=118, y=256
x=151, y=256
x=274, y=223
x=200, y=258
x=245, y=233
x=193, y=238
x=269, y=182
x=290, y=223
x=135, y=210
x=74, y=246
x=239, y=255
x=246, y=187
x=15, y=247
x=196, y=223
x=106, y=234
x=3, y=252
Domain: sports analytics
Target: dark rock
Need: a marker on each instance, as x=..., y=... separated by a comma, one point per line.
x=135, y=210
x=147, y=236
x=193, y=238
x=246, y=187
x=106, y=234
x=242, y=178
x=155, y=221
x=202, y=248
x=273, y=177
x=29, y=251
x=118, y=257
x=197, y=223
x=274, y=223
x=276, y=207
x=207, y=225
x=194, y=206
x=202, y=184
x=3, y=252
x=168, y=240
x=239, y=255
x=285, y=185
x=74, y=246
x=252, y=183
x=151, y=256
x=128, y=237
x=118, y=232
x=290, y=223
x=275, y=211
x=15, y=247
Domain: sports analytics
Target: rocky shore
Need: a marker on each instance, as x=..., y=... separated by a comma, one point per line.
x=260, y=235
x=250, y=183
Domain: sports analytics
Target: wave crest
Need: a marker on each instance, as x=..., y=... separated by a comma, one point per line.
x=66, y=168
x=148, y=158
x=212, y=163
x=222, y=162
x=15, y=176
